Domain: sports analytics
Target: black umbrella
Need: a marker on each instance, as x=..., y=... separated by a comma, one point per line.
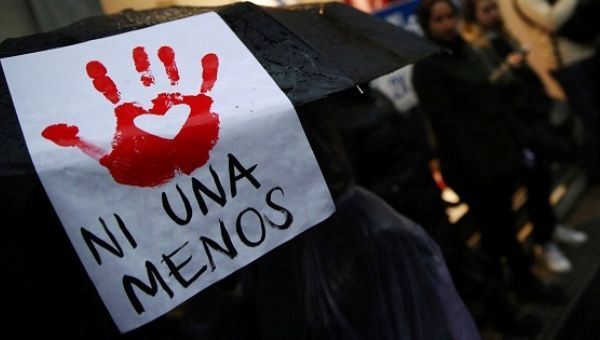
x=311, y=51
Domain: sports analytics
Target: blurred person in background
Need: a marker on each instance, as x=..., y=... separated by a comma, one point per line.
x=557, y=58
x=483, y=28
x=479, y=154
x=390, y=154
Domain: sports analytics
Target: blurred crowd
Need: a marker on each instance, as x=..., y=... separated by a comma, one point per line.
x=489, y=100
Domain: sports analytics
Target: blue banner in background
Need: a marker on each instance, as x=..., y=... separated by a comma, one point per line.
x=401, y=13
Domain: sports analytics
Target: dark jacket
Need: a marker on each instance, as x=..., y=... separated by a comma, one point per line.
x=470, y=120
x=522, y=89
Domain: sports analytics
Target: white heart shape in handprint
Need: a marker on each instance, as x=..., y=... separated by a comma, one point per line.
x=167, y=126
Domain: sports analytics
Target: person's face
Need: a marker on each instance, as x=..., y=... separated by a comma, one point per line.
x=443, y=22
x=487, y=14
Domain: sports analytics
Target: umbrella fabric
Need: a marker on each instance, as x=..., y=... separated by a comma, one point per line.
x=362, y=45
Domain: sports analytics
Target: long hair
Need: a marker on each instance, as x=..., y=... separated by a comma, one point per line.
x=469, y=28
x=472, y=32
x=424, y=12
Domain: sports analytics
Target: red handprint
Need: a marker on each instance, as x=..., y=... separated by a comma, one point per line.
x=137, y=157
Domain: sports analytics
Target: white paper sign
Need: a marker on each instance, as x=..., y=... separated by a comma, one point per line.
x=170, y=156
x=397, y=87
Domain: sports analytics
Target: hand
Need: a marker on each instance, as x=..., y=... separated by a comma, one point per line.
x=515, y=59
x=139, y=158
